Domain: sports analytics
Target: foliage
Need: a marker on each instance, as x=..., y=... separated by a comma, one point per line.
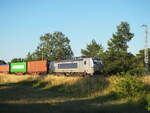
x=2, y=62
x=116, y=59
x=93, y=49
x=119, y=40
x=30, y=57
x=17, y=60
x=117, y=62
x=130, y=86
x=52, y=47
x=139, y=61
x=148, y=103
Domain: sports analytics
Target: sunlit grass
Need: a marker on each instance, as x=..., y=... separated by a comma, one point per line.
x=11, y=78
x=94, y=86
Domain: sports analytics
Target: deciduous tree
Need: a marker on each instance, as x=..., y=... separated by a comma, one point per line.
x=2, y=62
x=17, y=60
x=54, y=46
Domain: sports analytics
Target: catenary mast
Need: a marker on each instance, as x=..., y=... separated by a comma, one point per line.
x=146, y=72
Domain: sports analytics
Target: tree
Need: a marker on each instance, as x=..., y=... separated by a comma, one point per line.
x=17, y=60
x=93, y=50
x=119, y=40
x=52, y=47
x=138, y=65
x=117, y=59
x=2, y=62
x=117, y=62
x=30, y=57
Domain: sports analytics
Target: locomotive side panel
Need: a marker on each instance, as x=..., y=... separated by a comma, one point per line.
x=82, y=65
x=68, y=67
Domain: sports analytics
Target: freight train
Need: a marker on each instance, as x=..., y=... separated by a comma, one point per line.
x=77, y=65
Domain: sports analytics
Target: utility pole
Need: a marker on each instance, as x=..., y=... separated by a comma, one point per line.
x=42, y=55
x=146, y=72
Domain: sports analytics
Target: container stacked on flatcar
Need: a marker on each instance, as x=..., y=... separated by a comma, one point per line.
x=4, y=68
x=18, y=67
x=38, y=67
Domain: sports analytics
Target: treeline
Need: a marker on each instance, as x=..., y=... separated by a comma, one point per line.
x=116, y=59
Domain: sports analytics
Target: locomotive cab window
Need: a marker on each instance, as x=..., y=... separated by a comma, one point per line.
x=84, y=62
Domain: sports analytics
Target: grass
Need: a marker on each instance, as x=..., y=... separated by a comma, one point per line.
x=60, y=94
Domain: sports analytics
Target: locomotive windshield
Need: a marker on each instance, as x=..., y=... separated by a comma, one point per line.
x=97, y=61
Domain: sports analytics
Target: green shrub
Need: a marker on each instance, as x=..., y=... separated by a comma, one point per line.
x=137, y=71
x=130, y=86
x=148, y=103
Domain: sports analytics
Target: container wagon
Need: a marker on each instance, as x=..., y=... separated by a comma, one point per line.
x=4, y=68
x=37, y=67
x=18, y=67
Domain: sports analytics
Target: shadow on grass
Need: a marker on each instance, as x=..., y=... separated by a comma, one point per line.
x=45, y=90
x=95, y=105
x=25, y=90
x=31, y=90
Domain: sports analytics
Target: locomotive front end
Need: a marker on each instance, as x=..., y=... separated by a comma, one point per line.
x=97, y=65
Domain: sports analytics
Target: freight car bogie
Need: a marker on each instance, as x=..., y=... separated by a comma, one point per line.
x=18, y=73
x=72, y=74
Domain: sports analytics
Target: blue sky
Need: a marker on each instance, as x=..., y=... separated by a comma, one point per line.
x=22, y=22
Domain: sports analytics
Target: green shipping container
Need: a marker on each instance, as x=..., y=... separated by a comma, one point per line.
x=18, y=67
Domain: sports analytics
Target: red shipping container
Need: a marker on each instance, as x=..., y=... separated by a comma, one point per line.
x=4, y=68
x=37, y=66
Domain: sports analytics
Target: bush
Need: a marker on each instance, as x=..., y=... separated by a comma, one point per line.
x=137, y=71
x=130, y=86
x=148, y=103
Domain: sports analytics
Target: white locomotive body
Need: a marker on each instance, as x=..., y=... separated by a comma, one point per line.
x=84, y=65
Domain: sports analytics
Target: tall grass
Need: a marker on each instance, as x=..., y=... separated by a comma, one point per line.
x=74, y=86
x=11, y=78
x=56, y=93
x=70, y=86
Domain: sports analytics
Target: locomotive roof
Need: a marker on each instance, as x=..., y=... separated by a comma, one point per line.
x=73, y=59
x=69, y=60
x=77, y=59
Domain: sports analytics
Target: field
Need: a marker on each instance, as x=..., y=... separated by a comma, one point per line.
x=60, y=94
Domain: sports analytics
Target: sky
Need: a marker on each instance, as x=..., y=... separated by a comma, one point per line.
x=22, y=22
